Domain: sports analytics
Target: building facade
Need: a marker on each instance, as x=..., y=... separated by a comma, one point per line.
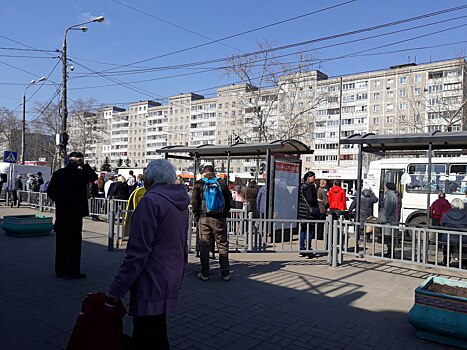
x=308, y=106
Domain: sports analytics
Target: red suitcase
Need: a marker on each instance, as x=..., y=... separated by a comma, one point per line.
x=99, y=326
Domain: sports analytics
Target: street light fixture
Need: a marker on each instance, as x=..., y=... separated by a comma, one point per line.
x=63, y=139
x=23, y=127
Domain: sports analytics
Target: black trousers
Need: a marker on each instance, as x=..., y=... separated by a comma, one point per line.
x=68, y=245
x=150, y=332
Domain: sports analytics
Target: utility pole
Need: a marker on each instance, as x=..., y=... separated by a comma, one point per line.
x=63, y=137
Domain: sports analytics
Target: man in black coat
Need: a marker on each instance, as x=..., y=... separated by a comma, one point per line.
x=68, y=188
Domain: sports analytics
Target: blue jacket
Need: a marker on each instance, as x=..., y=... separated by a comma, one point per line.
x=261, y=200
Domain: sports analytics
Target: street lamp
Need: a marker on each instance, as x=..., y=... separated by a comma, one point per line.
x=63, y=135
x=23, y=127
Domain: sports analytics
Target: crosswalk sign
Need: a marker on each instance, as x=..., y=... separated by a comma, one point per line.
x=10, y=157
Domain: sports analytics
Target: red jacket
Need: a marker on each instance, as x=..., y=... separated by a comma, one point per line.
x=336, y=198
x=439, y=207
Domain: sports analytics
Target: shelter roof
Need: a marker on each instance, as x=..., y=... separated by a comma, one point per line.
x=381, y=144
x=240, y=149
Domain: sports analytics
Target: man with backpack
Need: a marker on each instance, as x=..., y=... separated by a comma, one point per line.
x=211, y=206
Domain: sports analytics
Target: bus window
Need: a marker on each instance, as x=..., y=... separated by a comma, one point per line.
x=457, y=179
x=419, y=175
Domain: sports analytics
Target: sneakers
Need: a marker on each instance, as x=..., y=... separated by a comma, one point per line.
x=202, y=278
x=226, y=278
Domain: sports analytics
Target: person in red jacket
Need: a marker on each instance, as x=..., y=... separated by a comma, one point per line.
x=336, y=199
x=438, y=208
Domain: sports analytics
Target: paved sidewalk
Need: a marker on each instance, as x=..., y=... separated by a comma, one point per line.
x=274, y=301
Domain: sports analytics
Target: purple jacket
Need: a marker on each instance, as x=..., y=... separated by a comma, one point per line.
x=157, y=252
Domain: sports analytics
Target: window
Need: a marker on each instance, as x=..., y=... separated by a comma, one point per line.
x=417, y=91
x=402, y=93
x=376, y=108
x=435, y=75
x=418, y=104
x=375, y=120
x=389, y=107
x=361, y=84
x=402, y=106
x=452, y=73
x=435, y=88
x=377, y=83
x=376, y=96
x=390, y=94
x=457, y=181
x=390, y=82
x=402, y=119
x=348, y=86
x=419, y=183
x=403, y=80
x=451, y=87
x=417, y=78
x=389, y=119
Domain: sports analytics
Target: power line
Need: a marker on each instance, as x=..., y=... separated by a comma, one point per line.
x=276, y=57
x=233, y=36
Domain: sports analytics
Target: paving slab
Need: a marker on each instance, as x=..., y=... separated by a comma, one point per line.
x=274, y=301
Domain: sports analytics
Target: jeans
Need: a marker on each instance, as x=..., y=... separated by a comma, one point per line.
x=217, y=227
x=308, y=236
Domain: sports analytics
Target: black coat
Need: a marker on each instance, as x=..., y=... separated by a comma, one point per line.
x=121, y=191
x=309, y=193
x=454, y=218
x=68, y=188
x=367, y=201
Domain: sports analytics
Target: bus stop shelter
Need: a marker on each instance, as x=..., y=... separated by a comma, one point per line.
x=404, y=145
x=285, y=150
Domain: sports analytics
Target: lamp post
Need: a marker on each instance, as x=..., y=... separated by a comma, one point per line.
x=63, y=135
x=23, y=126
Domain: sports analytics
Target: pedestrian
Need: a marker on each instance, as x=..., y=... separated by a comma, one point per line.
x=140, y=181
x=39, y=181
x=323, y=204
x=439, y=208
x=18, y=186
x=238, y=196
x=120, y=191
x=131, y=182
x=251, y=194
x=337, y=200
x=367, y=201
x=261, y=202
x=387, y=214
x=308, y=209
x=156, y=257
x=68, y=188
x=31, y=183
x=454, y=218
x=211, y=205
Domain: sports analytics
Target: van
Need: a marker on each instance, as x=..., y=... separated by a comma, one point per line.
x=9, y=172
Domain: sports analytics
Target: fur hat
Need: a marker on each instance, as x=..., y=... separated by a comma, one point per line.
x=391, y=186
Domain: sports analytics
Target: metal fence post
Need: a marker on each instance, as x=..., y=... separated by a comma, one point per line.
x=250, y=231
x=328, y=237
x=7, y=198
x=41, y=200
x=335, y=242
x=111, y=219
x=343, y=236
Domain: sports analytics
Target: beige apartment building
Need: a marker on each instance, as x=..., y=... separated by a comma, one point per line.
x=308, y=106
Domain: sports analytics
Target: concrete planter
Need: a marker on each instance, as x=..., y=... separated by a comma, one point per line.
x=27, y=225
x=441, y=318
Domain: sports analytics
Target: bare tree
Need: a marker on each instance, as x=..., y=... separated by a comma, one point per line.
x=275, y=103
x=48, y=123
x=10, y=130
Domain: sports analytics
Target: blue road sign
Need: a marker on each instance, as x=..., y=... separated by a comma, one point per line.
x=10, y=157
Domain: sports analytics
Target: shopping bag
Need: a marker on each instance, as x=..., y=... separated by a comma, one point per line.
x=98, y=326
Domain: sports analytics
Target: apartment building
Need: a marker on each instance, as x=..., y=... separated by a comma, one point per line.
x=308, y=106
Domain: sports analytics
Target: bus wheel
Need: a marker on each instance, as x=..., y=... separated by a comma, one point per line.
x=418, y=221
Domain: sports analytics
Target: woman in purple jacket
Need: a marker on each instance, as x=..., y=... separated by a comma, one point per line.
x=153, y=267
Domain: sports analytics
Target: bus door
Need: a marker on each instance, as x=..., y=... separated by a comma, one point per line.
x=390, y=175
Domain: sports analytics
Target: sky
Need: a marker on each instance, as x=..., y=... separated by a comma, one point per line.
x=131, y=55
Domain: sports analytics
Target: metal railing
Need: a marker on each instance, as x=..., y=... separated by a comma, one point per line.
x=336, y=239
